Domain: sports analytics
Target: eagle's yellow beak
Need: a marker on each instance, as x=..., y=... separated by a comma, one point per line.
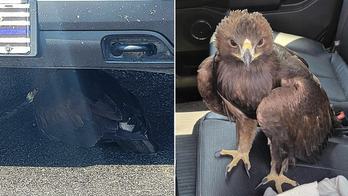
x=247, y=53
x=31, y=95
x=247, y=45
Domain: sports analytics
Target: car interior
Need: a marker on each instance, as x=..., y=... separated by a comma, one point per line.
x=315, y=29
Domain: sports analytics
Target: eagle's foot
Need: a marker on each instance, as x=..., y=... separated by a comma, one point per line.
x=279, y=180
x=237, y=156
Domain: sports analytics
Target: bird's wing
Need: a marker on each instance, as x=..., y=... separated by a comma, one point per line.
x=82, y=107
x=296, y=115
x=114, y=107
x=64, y=115
x=206, y=79
x=111, y=101
x=284, y=53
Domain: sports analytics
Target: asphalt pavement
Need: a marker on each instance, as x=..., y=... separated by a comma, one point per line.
x=32, y=164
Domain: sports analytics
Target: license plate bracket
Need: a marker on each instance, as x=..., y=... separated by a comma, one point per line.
x=18, y=28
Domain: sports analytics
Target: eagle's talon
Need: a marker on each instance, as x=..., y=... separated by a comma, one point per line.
x=263, y=181
x=246, y=166
x=278, y=179
x=217, y=153
x=226, y=172
x=237, y=156
x=229, y=168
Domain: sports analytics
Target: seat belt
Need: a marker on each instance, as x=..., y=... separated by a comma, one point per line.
x=341, y=24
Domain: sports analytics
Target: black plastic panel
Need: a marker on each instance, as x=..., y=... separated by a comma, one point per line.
x=112, y=15
x=251, y=4
x=190, y=51
x=232, y=4
x=80, y=50
x=310, y=19
x=187, y=18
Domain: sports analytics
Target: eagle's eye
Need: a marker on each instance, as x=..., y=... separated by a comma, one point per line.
x=261, y=42
x=233, y=44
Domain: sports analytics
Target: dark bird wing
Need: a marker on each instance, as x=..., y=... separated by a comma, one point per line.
x=82, y=107
x=134, y=130
x=207, y=85
x=296, y=117
x=284, y=52
x=62, y=112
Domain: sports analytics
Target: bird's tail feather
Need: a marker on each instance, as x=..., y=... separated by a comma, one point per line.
x=138, y=146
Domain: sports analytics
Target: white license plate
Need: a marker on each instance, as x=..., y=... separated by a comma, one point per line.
x=16, y=28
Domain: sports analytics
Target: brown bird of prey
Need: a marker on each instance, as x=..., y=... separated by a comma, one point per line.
x=254, y=81
x=83, y=107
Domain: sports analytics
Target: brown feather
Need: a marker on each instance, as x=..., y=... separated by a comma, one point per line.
x=278, y=90
x=297, y=113
x=283, y=52
x=83, y=107
x=207, y=86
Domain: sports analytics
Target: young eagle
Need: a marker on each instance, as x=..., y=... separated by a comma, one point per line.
x=83, y=107
x=254, y=81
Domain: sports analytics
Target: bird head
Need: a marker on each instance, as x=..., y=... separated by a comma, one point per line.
x=31, y=95
x=245, y=37
x=44, y=78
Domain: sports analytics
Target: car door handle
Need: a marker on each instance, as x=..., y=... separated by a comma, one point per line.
x=118, y=49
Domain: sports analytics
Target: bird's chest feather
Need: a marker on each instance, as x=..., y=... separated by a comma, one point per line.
x=245, y=88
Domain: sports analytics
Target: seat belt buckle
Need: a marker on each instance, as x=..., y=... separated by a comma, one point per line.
x=335, y=46
x=341, y=115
